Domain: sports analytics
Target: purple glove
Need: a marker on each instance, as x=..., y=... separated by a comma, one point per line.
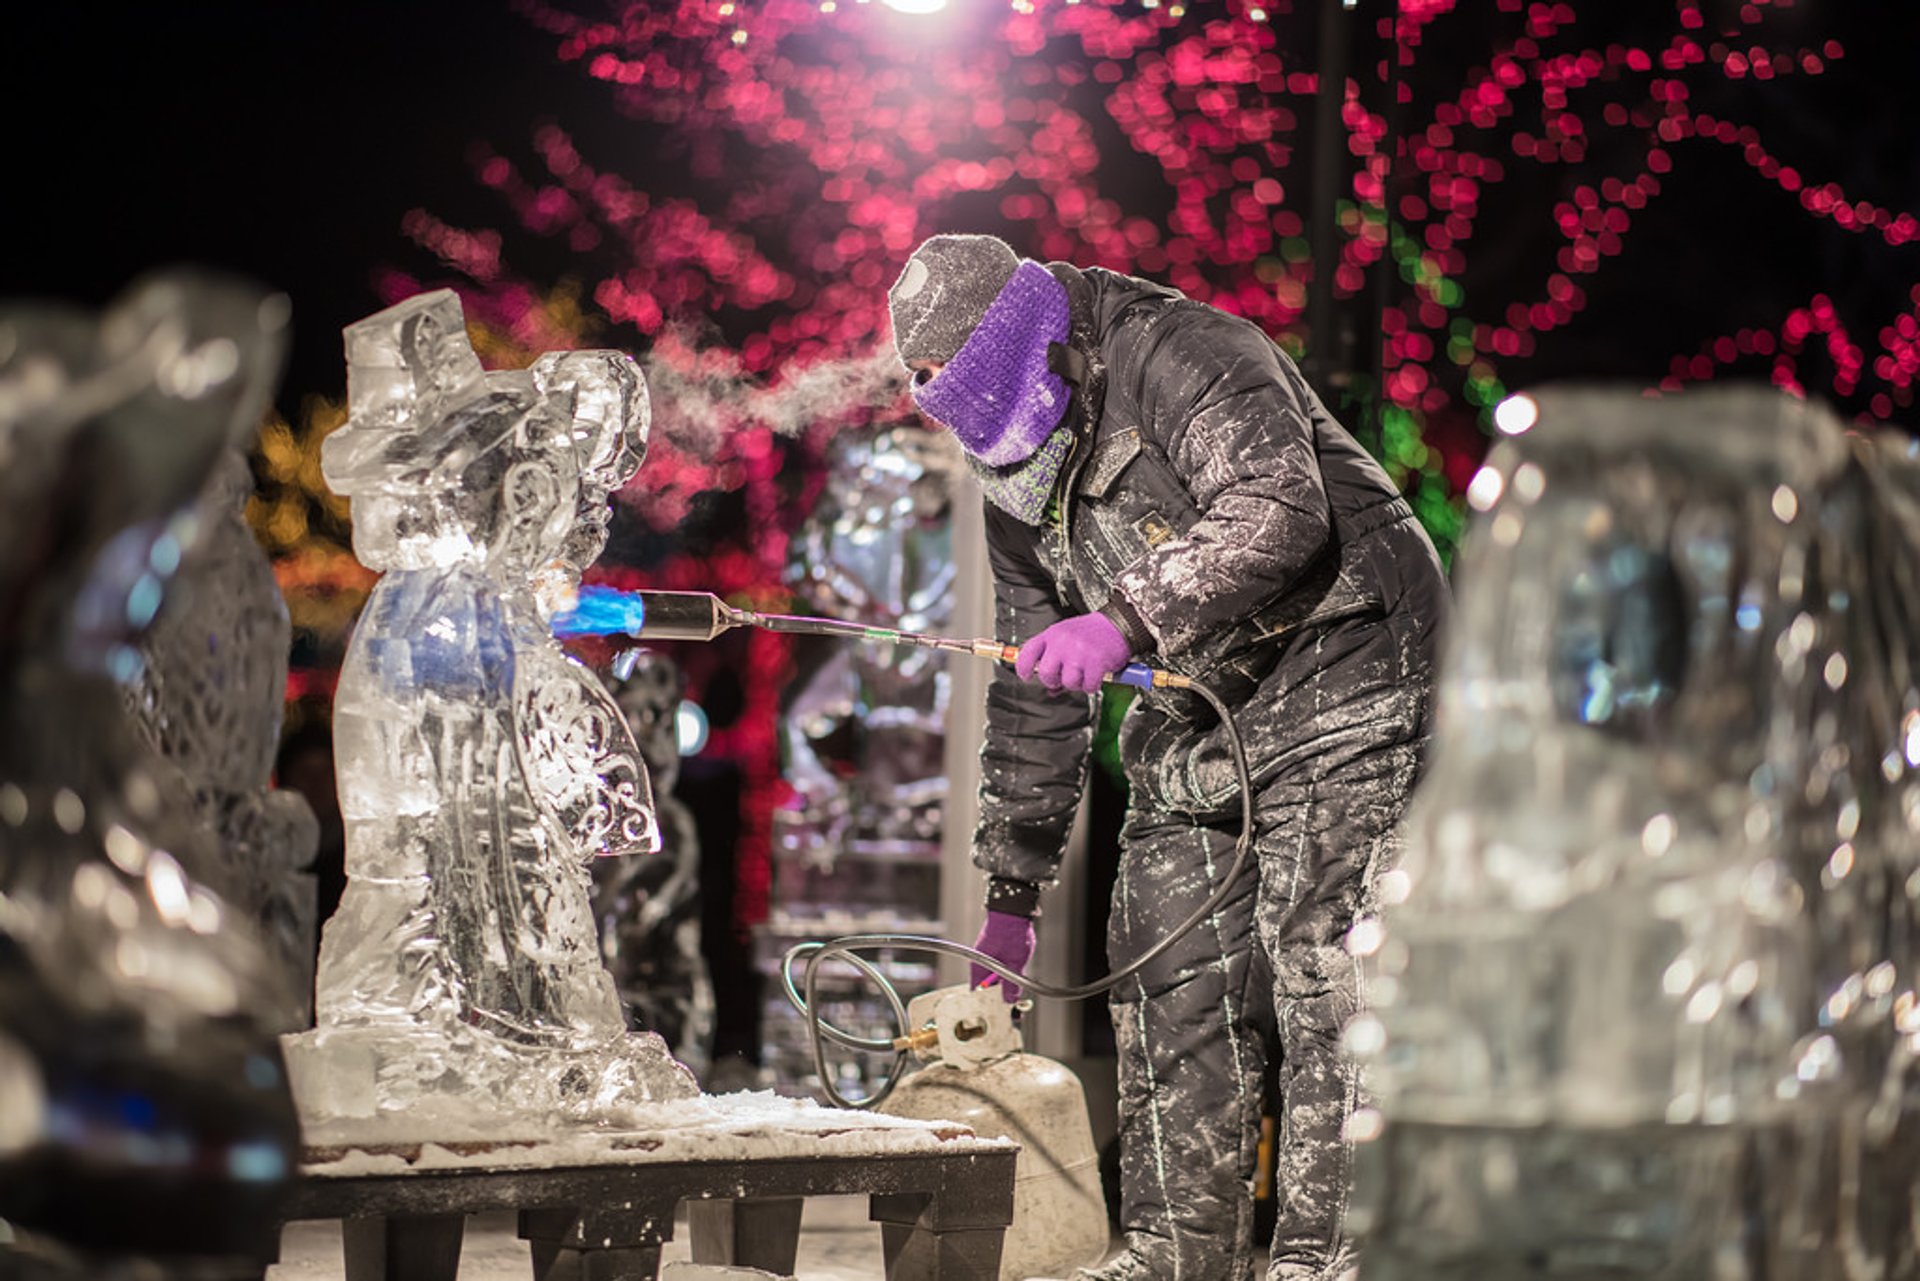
x=1075, y=653
x=1008, y=939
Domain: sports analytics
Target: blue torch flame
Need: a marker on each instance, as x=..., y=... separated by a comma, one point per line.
x=602, y=611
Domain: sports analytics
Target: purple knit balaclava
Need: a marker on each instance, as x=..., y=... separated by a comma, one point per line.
x=998, y=395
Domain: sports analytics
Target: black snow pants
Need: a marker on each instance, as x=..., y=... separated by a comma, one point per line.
x=1336, y=730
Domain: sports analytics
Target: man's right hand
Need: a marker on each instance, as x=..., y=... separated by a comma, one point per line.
x=1008, y=939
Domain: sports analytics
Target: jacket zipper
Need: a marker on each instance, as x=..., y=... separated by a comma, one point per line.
x=1063, y=499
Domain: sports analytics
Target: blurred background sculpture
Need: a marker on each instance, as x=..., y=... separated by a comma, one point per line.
x=649, y=908
x=1644, y=983
x=144, y=1109
x=480, y=768
x=857, y=844
x=208, y=701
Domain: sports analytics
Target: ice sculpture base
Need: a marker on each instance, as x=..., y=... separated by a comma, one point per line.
x=391, y=1085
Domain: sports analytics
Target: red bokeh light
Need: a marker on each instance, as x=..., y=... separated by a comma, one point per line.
x=794, y=156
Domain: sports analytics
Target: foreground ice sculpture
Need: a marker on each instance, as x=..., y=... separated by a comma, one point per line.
x=461, y=988
x=1644, y=979
x=1877, y=1004
x=145, y=1120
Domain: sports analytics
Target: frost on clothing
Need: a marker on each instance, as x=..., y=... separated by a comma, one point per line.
x=1216, y=512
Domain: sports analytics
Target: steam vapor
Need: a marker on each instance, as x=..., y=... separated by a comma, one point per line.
x=701, y=396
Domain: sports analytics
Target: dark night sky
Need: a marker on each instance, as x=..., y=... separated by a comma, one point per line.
x=287, y=140
x=281, y=140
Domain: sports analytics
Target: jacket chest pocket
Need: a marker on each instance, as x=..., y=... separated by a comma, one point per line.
x=1127, y=501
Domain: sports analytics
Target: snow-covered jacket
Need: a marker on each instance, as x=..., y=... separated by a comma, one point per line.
x=1212, y=507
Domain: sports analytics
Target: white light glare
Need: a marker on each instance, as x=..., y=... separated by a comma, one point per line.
x=916, y=6
x=1485, y=489
x=1516, y=414
x=690, y=728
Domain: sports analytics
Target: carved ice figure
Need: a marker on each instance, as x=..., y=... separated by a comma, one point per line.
x=209, y=701
x=480, y=768
x=1642, y=962
x=144, y=1109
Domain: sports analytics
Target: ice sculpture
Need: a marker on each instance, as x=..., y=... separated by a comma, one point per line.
x=1875, y=1000
x=144, y=1109
x=649, y=908
x=1639, y=978
x=208, y=701
x=877, y=551
x=864, y=729
x=480, y=768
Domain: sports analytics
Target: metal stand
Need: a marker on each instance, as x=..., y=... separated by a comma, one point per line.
x=942, y=1213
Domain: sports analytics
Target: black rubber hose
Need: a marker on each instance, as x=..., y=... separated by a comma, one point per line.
x=819, y=1031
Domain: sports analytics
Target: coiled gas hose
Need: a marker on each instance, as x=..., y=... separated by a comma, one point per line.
x=815, y=953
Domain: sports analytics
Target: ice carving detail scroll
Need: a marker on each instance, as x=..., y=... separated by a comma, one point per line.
x=581, y=758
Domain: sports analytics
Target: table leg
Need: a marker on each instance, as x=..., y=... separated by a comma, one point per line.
x=562, y=1263
x=412, y=1248
x=597, y=1245
x=930, y=1237
x=753, y=1232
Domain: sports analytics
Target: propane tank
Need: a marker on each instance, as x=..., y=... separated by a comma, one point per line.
x=978, y=1074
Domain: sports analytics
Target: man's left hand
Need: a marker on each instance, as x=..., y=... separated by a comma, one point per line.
x=1075, y=653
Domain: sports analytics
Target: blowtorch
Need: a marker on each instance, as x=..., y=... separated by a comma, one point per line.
x=702, y=616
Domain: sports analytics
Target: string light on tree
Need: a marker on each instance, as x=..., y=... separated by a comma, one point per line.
x=1509, y=168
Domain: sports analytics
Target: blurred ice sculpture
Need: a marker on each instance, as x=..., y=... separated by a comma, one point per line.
x=863, y=728
x=1640, y=984
x=480, y=768
x=144, y=1110
x=649, y=908
x=208, y=701
x=877, y=551
x=1877, y=998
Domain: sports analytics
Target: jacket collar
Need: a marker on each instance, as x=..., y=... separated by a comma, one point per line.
x=1078, y=361
x=1024, y=490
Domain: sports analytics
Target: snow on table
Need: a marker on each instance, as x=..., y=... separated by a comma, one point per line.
x=750, y=1125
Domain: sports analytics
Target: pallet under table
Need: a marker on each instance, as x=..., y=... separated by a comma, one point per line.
x=943, y=1205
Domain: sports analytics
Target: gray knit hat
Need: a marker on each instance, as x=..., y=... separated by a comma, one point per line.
x=948, y=284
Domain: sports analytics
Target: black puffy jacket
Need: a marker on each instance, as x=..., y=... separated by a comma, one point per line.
x=1211, y=506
